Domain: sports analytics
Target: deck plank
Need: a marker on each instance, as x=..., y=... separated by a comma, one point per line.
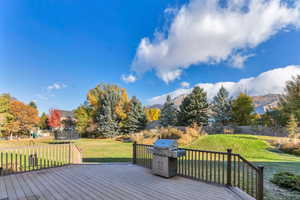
x=44, y=178
x=3, y=193
x=103, y=190
x=27, y=191
x=11, y=193
x=18, y=189
x=107, y=182
x=73, y=186
x=130, y=188
x=36, y=188
x=61, y=187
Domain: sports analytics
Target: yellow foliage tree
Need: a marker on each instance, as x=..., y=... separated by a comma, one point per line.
x=95, y=95
x=152, y=114
x=122, y=106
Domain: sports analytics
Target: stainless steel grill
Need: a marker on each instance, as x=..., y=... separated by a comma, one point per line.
x=165, y=153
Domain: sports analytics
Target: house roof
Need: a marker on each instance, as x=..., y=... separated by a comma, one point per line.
x=66, y=113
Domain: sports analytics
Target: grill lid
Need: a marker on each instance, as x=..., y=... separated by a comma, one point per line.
x=166, y=144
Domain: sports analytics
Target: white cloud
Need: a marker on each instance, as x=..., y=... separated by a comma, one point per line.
x=203, y=31
x=269, y=82
x=184, y=84
x=128, y=78
x=238, y=60
x=56, y=86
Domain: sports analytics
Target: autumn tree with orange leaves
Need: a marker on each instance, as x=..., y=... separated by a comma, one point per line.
x=54, y=118
x=24, y=118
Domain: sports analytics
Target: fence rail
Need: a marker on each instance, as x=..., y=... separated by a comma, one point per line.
x=34, y=157
x=224, y=168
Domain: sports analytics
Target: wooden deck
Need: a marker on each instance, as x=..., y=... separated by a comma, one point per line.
x=108, y=182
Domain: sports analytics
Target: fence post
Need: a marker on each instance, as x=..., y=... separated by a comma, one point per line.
x=260, y=183
x=229, y=159
x=70, y=152
x=134, y=153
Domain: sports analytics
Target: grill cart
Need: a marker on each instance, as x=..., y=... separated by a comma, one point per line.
x=165, y=153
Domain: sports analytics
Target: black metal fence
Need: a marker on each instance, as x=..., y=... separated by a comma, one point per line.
x=34, y=157
x=224, y=168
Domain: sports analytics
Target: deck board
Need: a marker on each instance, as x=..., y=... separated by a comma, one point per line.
x=107, y=182
x=35, y=188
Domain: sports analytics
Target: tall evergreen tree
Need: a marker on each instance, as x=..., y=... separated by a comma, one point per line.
x=292, y=126
x=136, y=118
x=221, y=107
x=32, y=104
x=168, y=115
x=194, y=108
x=290, y=101
x=242, y=108
x=106, y=116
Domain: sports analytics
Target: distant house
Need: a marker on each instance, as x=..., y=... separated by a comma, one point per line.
x=66, y=130
x=67, y=119
x=66, y=114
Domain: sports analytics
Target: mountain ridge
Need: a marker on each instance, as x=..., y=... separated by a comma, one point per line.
x=261, y=103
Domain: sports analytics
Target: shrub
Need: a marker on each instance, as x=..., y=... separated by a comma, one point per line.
x=290, y=148
x=170, y=133
x=287, y=180
x=123, y=138
x=183, y=137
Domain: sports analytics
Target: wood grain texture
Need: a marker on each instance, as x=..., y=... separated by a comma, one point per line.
x=108, y=182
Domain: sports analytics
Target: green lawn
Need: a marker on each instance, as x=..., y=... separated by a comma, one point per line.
x=253, y=148
x=93, y=150
x=104, y=150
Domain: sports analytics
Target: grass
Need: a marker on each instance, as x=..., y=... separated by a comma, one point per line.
x=93, y=150
x=104, y=150
x=253, y=148
x=24, y=142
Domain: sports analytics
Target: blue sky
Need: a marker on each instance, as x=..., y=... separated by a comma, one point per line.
x=54, y=51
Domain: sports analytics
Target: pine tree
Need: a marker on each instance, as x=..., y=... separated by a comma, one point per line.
x=194, y=108
x=32, y=104
x=221, y=107
x=168, y=115
x=106, y=116
x=136, y=118
x=292, y=127
x=290, y=101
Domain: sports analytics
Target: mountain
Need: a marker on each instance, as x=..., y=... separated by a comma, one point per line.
x=159, y=106
x=266, y=102
x=261, y=103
